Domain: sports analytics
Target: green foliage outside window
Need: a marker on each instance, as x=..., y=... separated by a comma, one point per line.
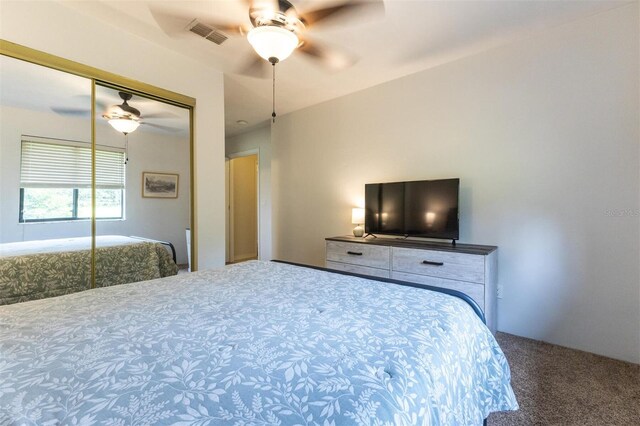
x=43, y=204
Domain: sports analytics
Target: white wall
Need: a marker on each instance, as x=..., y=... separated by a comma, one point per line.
x=544, y=135
x=67, y=33
x=161, y=219
x=258, y=138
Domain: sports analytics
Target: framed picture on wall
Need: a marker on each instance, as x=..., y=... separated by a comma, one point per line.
x=159, y=185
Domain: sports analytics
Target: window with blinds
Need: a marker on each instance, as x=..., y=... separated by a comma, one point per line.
x=55, y=181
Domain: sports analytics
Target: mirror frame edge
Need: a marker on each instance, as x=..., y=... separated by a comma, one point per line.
x=48, y=60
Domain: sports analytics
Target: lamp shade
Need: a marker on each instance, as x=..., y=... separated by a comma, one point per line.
x=124, y=125
x=357, y=216
x=272, y=42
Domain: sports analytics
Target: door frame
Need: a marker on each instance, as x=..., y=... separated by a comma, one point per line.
x=230, y=215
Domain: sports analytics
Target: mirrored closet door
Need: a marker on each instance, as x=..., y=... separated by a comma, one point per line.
x=95, y=179
x=142, y=187
x=45, y=182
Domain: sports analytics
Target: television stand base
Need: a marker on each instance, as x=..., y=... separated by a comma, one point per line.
x=368, y=235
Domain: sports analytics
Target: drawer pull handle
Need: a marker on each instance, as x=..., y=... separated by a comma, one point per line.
x=355, y=253
x=428, y=262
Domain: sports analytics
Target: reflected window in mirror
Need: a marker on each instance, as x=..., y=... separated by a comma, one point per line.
x=55, y=181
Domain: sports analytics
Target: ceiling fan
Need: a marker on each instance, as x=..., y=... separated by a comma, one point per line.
x=123, y=117
x=277, y=30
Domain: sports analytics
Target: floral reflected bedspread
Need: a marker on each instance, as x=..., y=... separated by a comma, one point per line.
x=250, y=344
x=41, y=275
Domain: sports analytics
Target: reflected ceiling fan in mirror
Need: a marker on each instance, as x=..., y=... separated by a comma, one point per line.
x=122, y=117
x=277, y=30
x=125, y=119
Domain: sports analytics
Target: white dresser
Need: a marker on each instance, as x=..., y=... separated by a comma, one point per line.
x=471, y=269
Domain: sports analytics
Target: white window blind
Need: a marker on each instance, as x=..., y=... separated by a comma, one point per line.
x=52, y=163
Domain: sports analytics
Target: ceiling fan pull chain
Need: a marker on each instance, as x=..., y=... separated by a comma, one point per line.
x=273, y=114
x=126, y=148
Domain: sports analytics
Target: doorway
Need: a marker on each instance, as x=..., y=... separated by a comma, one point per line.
x=243, y=195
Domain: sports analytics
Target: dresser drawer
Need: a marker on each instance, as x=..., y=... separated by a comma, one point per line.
x=473, y=290
x=358, y=254
x=356, y=269
x=440, y=264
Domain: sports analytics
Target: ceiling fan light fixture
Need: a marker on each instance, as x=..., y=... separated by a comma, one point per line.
x=124, y=125
x=270, y=41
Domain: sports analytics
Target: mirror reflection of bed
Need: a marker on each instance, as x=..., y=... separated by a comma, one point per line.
x=45, y=184
x=38, y=269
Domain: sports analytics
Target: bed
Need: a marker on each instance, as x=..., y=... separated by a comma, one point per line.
x=251, y=343
x=32, y=270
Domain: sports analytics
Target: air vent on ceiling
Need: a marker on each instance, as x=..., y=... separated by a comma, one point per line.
x=207, y=32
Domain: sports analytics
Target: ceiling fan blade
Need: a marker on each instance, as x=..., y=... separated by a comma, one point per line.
x=162, y=114
x=71, y=111
x=161, y=127
x=332, y=58
x=273, y=5
x=256, y=67
x=313, y=17
x=100, y=105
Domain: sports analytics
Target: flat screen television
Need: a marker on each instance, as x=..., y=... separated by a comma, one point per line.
x=425, y=208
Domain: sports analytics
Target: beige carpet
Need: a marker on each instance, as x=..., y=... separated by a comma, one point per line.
x=561, y=386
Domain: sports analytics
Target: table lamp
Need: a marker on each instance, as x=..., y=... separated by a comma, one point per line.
x=357, y=218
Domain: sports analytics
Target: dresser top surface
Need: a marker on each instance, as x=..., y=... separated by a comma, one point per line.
x=417, y=244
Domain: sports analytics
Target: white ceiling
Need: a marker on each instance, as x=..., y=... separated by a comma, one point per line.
x=411, y=35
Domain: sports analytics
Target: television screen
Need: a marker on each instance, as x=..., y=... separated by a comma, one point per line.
x=427, y=208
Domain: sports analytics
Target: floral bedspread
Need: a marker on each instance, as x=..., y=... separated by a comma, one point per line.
x=38, y=276
x=250, y=344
